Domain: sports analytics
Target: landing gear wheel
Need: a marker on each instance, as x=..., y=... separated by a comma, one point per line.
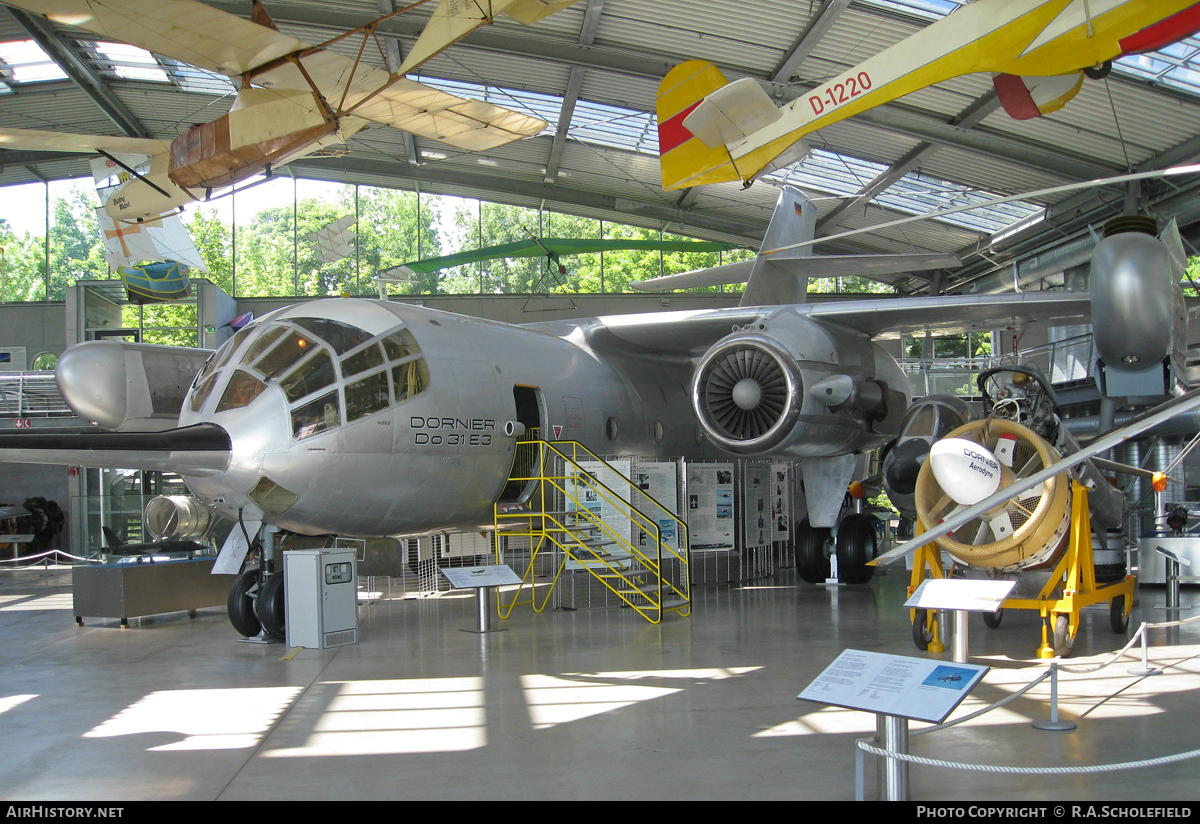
x=1062, y=641
x=270, y=607
x=1099, y=71
x=1117, y=618
x=922, y=634
x=993, y=619
x=856, y=546
x=242, y=596
x=811, y=561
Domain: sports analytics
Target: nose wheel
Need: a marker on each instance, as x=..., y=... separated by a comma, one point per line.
x=243, y=596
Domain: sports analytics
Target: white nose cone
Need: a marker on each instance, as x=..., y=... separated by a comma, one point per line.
x=966, y=471
x=747, y=393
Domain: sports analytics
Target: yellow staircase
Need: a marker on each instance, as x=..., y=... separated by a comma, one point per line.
x=558, y=522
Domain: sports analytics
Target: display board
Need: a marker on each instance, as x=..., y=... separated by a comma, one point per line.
x=660, y=480
x=781, y=501
x=918, y=688
x=710, y=506
x=756, y=509
x=613, y=517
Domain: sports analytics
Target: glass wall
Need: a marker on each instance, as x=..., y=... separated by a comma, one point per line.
x=288, y=237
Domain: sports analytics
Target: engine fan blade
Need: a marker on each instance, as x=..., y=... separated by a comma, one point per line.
x=1153, y=417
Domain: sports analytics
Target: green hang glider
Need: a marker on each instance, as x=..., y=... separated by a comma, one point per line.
x=550, y=248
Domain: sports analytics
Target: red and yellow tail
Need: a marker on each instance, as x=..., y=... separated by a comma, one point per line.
x=684, y=159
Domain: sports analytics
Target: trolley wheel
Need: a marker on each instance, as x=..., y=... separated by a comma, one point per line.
x=811, y=561
x=993, y=619
x=270, y=607
x=922, y=634
x=242, y=596
x=855, y=546
x=1100, y=71
x=1062, y=640
x=1117, y=618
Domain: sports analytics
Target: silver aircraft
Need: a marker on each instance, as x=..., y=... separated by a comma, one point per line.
x=368, y=417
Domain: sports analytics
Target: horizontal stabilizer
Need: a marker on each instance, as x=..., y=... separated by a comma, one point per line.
x=731, y=112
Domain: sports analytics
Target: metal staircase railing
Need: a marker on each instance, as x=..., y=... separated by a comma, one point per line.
x=653, y=580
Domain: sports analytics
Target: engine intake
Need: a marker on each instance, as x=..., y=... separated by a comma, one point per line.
x=747, y=394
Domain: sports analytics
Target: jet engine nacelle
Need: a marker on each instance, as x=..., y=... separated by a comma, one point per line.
x=795, y=386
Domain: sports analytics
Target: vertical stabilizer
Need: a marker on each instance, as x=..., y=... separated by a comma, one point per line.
x=793, y=221
x=684, y=158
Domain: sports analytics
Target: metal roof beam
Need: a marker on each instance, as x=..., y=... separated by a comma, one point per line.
x=967, y=119
x=395, y=57
x=77, y=68
x=587, y=34
x=817, y=26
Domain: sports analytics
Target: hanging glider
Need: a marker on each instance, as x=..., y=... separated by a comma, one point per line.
x=293, y=98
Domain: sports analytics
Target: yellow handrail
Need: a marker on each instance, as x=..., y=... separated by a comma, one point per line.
x=568, y=486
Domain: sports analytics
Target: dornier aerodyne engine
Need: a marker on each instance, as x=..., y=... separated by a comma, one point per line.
x=792, y=385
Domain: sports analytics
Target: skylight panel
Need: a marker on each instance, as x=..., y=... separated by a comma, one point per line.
x=27, y=63
x=131, y=62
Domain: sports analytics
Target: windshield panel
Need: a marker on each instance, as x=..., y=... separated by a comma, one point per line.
x=315, y=373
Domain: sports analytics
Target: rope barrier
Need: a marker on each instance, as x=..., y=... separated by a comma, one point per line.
x=1094, y=768
x=25, y=559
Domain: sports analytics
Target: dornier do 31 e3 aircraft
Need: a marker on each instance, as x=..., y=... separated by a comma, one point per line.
x=370, y=417
x=293, y=98
x=1039, y=52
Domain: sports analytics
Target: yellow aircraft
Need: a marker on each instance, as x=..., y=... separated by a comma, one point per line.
x=711, y=131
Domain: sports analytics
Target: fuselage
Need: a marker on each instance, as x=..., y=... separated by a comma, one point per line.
x=365, y=417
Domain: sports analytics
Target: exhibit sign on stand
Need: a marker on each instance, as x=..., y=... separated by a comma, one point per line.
x=961, y=596
x=482, y=579
x=896, y=688
x=710, y=506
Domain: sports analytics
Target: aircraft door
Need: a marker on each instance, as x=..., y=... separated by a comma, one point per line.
x=529, y=412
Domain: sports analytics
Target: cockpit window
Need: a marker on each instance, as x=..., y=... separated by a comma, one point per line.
x=266, y=339
x=315, y=373
x=242, y=389
x=410, y=378
x=400, y=344
x=362, y=361
x=341, y=336
x=201, y=394
x=366, y=396
x=315, y=416
x=290, y=350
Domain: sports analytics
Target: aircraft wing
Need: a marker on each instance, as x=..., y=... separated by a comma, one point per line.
x=694, y=331
x=372, y=94
x=559, y=246
x=453, y=20
x=183, y=30
x=35, y=140
x=822, y=266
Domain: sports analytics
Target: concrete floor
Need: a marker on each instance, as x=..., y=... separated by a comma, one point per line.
x=593, y=704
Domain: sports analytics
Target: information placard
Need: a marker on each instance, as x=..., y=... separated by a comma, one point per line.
x=916, y=688
x=480, y=576
x=960, y=593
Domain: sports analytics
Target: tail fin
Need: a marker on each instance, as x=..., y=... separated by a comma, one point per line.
x=685, y=160
x=793, y=221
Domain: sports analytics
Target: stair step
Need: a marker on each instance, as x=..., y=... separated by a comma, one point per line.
x=667, y=605
x=596, y=542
